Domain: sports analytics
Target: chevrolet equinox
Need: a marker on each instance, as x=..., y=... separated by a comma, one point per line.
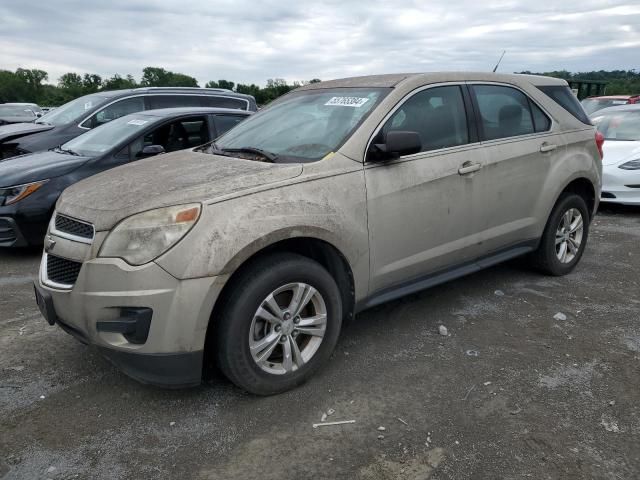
x=254, y=249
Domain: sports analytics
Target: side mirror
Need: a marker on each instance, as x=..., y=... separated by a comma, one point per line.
x=151, y=150
x=39, y=114
x=397, y=143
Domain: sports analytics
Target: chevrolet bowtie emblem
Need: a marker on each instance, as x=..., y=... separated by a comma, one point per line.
x=49, y=243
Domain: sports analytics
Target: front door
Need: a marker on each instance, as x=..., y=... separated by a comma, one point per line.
x=421, y=207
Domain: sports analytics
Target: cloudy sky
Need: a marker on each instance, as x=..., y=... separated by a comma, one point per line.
x=246, y=41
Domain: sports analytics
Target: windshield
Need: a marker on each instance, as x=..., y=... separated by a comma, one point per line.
x=622, y=125
x=591, y=105
x=71, y=111
x=304, y=126
x=97, y=141
x=15, y=111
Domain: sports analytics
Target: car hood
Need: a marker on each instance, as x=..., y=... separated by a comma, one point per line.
x=37, y=166
x=8, y=120
x=616, y=151
x=16, y=130
x=169, y=179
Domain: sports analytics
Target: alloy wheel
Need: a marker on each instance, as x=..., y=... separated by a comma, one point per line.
x=569, y=235
x=288, y=328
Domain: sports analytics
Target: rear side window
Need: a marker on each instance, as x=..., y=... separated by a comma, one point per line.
x=437, y=114
x=172, y=101
x=504, y=112
x=541, y=123
x=224, y=123
x=224, y=102
x=564, y=97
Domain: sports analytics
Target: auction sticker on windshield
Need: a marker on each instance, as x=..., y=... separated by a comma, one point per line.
x=356, y=102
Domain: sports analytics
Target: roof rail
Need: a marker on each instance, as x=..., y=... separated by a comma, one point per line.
x=189, y=88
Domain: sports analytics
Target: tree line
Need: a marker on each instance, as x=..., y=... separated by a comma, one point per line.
x=619, y=82
x=30, y=85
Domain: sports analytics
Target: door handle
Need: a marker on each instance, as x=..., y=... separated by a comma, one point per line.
x=468, y=167
x=547, y=147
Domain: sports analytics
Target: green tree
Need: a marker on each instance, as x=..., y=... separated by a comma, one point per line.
x=159, y=77
x=221, y=84
x=119, y=83
x=91, y=83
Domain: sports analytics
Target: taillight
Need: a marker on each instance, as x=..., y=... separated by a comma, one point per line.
x=599, y=143
x=634, y=100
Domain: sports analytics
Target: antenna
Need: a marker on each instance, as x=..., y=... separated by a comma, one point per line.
x=498, y=64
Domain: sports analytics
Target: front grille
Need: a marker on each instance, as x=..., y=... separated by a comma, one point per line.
x=7, y=232
x=74, y=227
x=63, y=271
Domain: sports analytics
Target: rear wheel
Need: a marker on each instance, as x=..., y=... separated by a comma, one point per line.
x=279, y=324
x=565, y=236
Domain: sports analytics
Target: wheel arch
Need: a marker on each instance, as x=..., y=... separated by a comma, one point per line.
x=313, y=247
x=584, y=187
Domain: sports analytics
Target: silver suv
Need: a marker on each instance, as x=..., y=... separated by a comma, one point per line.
x=252, y=251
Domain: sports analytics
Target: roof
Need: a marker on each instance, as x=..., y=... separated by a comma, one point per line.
x=391, y=80
x=177, y=111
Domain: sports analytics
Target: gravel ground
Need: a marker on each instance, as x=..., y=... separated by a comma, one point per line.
x=511, y=392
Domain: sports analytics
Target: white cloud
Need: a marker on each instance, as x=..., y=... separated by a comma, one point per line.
x=248, y=41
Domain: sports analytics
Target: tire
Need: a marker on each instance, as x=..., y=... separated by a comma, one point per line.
x=281, y=276
x=547, y=257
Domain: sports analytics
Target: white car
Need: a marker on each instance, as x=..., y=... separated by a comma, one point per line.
x=620, y=127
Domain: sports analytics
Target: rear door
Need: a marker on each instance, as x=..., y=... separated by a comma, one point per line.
x=518, y=145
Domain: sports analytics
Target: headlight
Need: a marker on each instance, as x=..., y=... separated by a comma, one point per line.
x=147, y=235
x=12, y=195
x=631, y=165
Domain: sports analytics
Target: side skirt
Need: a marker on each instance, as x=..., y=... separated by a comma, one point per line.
x=442, y=276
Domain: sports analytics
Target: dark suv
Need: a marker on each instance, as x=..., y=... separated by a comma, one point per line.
x=84, y=113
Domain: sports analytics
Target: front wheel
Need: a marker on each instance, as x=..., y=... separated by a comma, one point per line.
x=279, y=324
x=564, y=238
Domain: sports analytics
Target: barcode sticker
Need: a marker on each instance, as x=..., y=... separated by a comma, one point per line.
x=356, y=102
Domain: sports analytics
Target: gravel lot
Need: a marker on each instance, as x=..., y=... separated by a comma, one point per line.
x=511, y=392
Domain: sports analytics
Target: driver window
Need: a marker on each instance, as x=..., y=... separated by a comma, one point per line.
x=178, y=135
x=116, y=110
x=436, y=114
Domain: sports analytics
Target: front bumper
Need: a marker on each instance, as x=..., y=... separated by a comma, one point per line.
x=616, y=186
x=10, y=233
x=97, y=308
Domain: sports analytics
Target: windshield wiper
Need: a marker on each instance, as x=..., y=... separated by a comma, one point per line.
x=67, y=151
x=272, y=157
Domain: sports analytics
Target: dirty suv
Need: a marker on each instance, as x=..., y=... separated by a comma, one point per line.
x=254, y=250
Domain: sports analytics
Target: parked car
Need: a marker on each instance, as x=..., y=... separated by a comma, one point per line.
x=593, y=104
x=620, y=127
x=31, y=184
x=18, y=113
x=84, y=113
x=336, y=197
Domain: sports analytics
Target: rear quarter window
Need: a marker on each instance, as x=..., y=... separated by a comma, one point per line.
x=564, y=97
